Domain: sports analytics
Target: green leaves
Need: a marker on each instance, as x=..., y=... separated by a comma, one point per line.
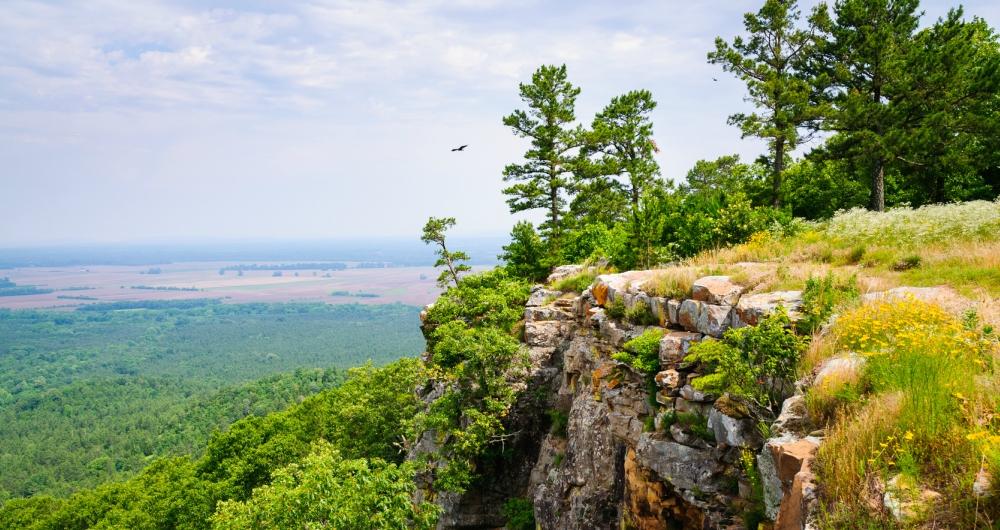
x=756, y=363
x=434, y=232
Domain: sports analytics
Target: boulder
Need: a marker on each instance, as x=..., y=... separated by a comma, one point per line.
x=684, y=406
x=538, y=314
x=673, y=308
x=800, y=501
x=543, y=333
x=674, y=346
x=716, y=290
x=684, y=467
x=687, y=314
x=540, y=295
x=780, y=462
x=906, y=500
x=714, y=320
x=668, y=379
x=564, y=271
x=751, y=308
x=836, y=371
x=689, y=393
x=683, y=437
x=794, y=418
x=734, y=432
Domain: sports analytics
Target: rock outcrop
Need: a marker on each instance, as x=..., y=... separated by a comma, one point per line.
x=638, y=450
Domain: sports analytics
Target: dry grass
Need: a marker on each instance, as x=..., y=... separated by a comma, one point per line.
x=673, y=282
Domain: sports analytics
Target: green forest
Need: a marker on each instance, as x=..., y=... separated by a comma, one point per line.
x=90, y=395
x=902, y=112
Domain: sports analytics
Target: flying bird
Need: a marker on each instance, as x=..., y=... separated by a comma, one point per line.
x=714, y=79
x=460, y=148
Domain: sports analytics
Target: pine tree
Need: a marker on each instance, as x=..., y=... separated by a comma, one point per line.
x=434, y=232
x=544, y=179
x=771, y=61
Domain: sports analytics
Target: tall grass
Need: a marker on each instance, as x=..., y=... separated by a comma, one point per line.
x=927, y=394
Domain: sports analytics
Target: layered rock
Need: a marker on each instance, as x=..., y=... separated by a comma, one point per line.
x=638, y=450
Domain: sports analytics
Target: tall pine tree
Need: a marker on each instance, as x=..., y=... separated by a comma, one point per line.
x=543, y=180
x=771, y=62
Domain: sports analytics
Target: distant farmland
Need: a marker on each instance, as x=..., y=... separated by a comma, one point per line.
x=74, y=286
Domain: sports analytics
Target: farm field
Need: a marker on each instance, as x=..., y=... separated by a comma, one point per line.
x=74, y=286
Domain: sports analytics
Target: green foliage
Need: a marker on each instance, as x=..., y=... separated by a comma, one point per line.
x=93, y=395
x=520, y=514
x=327, y=490
x=641, y=314
x=643, y=352
x=576, y=283
x=365, y=420
x=756, y=363
x=434, y=233
x=526, y=255
x=754, y=514
x=773, y=62
x=542, y=180
x=694, y=423
x=471, y=337
x=615, y=309
x=560, y=422
x=819, y=299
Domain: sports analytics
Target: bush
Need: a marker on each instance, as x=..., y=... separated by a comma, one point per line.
x=756, y=363
x=643, y=352
x=641, y=314
x=520, y=514
x=615, y=309
x=821, y=297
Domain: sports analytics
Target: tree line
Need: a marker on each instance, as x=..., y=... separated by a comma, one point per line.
x=905, y=115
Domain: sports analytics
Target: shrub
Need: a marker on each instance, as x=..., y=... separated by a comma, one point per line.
x=696, y=424
x=641, y=314
x=560, y=421
x=756, y=363
x=615, y=309
x=643, y=352
x=819, y=299
x=520, y=514
x=911, y=227
x=909, y=262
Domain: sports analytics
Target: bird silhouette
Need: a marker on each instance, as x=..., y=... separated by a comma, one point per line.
x=460, y=148
x=714, y=79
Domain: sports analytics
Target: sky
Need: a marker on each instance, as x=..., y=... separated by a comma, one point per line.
x=146, y=121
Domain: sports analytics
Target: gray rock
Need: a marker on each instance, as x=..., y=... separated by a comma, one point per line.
x=539, y=295
x=675, y=345
x=673, y=308
x=734, y=432
x=535, y=314
x=839, y=369
x=544, y=333
x=668, y=379
x=714, y=320
x=683, y=437
x=682, y=405
x=794, y=418
x=564, y=271
x=682, y=466
x=689, y=393
x=688, y=313
x=751, y=308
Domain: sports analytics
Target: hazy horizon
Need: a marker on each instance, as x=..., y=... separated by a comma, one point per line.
x=325, y=119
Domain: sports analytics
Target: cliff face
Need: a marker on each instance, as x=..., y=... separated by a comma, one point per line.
x=633, y=453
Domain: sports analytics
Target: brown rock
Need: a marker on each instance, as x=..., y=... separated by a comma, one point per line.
x=675, y=345
x=717, y=290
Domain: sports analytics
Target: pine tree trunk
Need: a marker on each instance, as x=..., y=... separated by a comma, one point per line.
x=878, y=187
x=779, y=166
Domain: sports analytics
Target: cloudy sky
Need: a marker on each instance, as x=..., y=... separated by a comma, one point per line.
x=123, y=120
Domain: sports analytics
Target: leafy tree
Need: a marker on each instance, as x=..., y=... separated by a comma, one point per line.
x=544, y=178
x=434, y=232
x=947, y=108
x=863, y=67
x=619, y=151
x=525, y=255
x=326, y=490
x=727, y=174
x=771, y=62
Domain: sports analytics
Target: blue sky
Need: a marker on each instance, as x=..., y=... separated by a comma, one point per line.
x=123, y=120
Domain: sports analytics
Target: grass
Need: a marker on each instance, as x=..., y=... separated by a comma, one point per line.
x=925, y=406
x=953, y=244
x=673, y=282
